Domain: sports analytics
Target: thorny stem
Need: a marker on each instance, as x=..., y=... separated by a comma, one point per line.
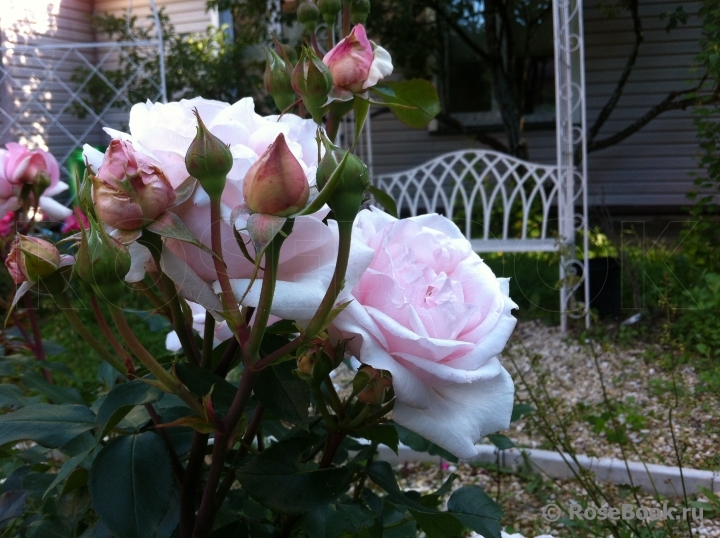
x=208, y=340
x=331, y=448
x=228, y=297
x=37, y=343
x=116, y=345
x=77, y=324
x=155, y=368
x=191, y=483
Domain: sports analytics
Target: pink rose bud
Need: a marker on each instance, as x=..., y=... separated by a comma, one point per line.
x=350, y=60
x=312, y=80
x=359, y=11
x=356, y=63
x=276, y=183
x=370, y=385
x=23, y=166
x=277, y=81
x=32, y=259
x=308, y=15
x=208, y=159
x=129, y=193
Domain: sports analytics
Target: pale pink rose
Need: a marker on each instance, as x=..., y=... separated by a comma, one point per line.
x=162, y=133
x=356, y=63
x=129, y=192
x=428, y=310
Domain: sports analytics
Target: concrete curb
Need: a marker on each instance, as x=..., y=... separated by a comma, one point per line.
x=665, y=480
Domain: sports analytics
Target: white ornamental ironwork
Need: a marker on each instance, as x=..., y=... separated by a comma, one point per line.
x=504, y=204
x=571, y=121
x=55, y=103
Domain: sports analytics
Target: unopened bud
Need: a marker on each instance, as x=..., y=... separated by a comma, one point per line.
x=208, y=160
x=276, y=183
x=329, y=9
x=308, y=15
x=305, y=363
x=278, y=81
x=102, y=262
x=375, y=383
x=359, y=11
x=32, y=259
x=312, y=79
x=347, y=197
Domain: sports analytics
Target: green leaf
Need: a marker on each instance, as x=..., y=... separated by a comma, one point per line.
x=283, y=394
x=12, y=396
x=477, y=511
x=48, y=425
x=519, y=410
x=53, y=348
x=273, y=479
x=333, y=520
x=55, y=393
x=200, y=381
x=12, y=505
x=169, y=225
x=67, y=469
x=385, y=200
x=382, y=474
x=385, y=434
x=441, y=525
x=503, y=442
x=414, y=102
x=420, y=444
x=361, y=108
x=120, y=400
x=132, y=487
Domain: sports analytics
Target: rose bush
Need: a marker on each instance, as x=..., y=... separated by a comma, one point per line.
x=429, y=311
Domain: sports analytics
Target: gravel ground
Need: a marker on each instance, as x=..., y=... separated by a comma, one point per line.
x=561, y=373
x=639, y=389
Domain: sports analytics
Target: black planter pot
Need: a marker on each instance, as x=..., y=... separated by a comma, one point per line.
x=605, y=287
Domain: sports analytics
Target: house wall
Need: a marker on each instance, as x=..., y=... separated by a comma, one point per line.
x=651, y=167
x=41, y=104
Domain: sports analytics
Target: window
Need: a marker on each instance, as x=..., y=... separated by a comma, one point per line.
x=467, y=87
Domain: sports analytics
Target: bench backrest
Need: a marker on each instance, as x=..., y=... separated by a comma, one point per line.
x=500, y=203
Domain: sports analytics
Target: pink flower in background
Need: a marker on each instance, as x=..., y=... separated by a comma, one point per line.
x=427, y=309
x=357, y=64
x=6, y=224
x=20, y=166
x=128, y=191
x=72, y=224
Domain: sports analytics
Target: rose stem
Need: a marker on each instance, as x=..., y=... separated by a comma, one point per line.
x=346, y=19
x=208, y=340
x=326, y=306
x=228, y=297
x=167, y=287
x=153, y=365
x=36, y=344
x=331, y=448
x=247, y=440
x=116, y=345
x=250, y=356
x=67, y=309
x=190, y=484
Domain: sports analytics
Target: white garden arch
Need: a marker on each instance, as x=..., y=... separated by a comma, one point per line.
x=509, y=205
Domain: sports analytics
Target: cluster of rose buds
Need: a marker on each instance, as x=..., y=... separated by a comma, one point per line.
x=348, y=69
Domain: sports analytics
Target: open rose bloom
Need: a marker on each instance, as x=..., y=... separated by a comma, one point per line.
x=429, y=311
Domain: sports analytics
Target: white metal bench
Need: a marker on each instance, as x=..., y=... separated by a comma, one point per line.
x=501, y=204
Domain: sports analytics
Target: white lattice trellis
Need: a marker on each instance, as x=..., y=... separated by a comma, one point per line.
x=50, y=107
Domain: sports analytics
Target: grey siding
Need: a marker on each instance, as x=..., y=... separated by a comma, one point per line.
x=651, y=167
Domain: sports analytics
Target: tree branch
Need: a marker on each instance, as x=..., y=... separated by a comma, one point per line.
x=667, y=104
x=459, y=30
x=629, y=65
x=483, y=138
